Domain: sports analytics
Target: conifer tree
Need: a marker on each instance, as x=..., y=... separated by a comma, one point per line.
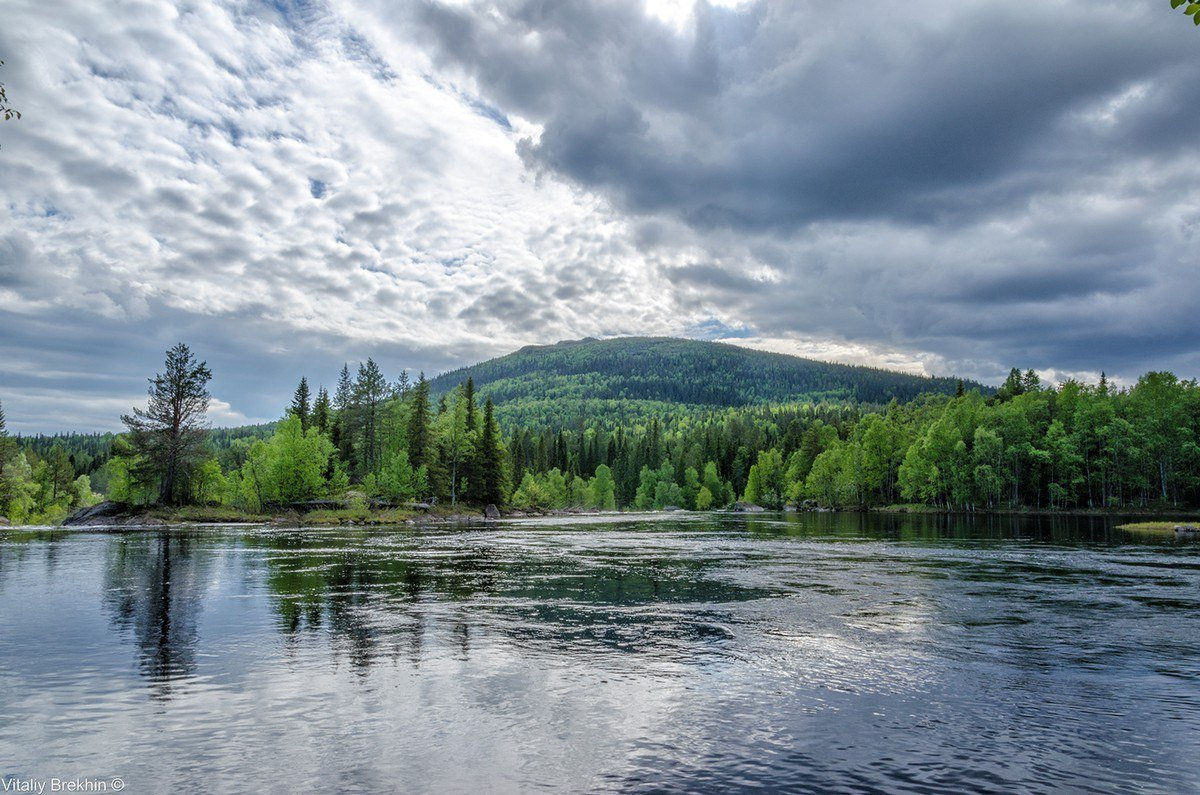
x=467, y=469
x=300, y=404
x=346, y=423
x=168, y=437
x=321, y=411
x=370, y=390
x=469, y=396
x=490, y=466
x=418, y=425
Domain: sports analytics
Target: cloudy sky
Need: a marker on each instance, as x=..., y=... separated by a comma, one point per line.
x=942, y=187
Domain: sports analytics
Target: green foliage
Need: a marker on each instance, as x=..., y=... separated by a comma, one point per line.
x=1189, y=8
x=397, y=479
x=39, y=489
x=7, y=110
x=602, y=490
x=765, y=484
x=547, y=490
x=289, y=467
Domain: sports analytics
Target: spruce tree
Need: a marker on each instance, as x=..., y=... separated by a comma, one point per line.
x=467, y=470
x=490, y=464
x=169, y=437
x=321, y=411
x=418, y=425
x=346, y=422
x=370, y=390
x=3, y=431
x=472, y=412
x=300, y=404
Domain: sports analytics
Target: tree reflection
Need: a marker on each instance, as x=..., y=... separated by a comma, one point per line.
x=375, y=593
x=154, y=588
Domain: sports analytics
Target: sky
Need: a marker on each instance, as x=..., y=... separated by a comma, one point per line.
x=286, y=185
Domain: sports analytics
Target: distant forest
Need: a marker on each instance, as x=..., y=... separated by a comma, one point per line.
x=535, y=430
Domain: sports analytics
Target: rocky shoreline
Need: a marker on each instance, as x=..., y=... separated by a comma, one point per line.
x=118, y=515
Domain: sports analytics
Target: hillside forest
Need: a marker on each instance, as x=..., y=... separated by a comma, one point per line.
x=396, y=440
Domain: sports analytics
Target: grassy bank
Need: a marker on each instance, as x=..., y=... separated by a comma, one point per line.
x=1185, y=515
x=1155, y=528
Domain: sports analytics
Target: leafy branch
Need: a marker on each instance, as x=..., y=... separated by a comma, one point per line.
x=1191, y=9
x=7, y=110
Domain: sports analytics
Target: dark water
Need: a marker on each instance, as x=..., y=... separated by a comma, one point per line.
x=811, y=653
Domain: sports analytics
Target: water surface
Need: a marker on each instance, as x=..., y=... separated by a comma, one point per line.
x=813, y=653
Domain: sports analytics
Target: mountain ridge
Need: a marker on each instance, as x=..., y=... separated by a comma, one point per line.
x=673, y=370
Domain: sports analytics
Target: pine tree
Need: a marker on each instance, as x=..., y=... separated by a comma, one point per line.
x=300, y=404
x=490, y=460
x=402, y=384
x=3, y=430
x=168, y=437
x=321, y=411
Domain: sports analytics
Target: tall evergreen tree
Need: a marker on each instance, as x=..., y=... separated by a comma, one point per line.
x=467, y=469
x=321, y=411
x=472, y=411
x=347, y=422
x=418, y=425
x=168, y=437
x=300, y=408
x=370, y=390
x=490, y=459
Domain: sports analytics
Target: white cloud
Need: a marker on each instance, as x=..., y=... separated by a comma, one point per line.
x=289, y=189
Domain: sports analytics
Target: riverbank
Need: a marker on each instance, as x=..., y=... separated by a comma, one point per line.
x=1163, y=514
x=116, y=515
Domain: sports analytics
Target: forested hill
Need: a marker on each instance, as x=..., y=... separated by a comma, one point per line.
x=679, y=371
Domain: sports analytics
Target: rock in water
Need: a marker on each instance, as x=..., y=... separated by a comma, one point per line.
x=747, y=507
x=4, y=521
x=491, y=512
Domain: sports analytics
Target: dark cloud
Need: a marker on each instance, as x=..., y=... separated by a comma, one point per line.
x=776, y=114
x=983, y=183
x=290, y=184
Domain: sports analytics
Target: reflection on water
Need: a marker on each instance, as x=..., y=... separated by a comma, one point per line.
x=803, y=652
x=154, y=588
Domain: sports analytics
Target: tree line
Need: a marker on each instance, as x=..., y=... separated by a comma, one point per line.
x=1026, y=445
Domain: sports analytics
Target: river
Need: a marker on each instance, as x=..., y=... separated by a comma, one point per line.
x=819, y=652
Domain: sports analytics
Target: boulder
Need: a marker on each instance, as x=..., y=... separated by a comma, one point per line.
x=747, y=507
x=102, y=513
x=491, y=512
x=671, y=508
x=1187, y=530
x=4, y=521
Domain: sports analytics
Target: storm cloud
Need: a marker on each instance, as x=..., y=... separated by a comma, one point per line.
x=944, y=187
